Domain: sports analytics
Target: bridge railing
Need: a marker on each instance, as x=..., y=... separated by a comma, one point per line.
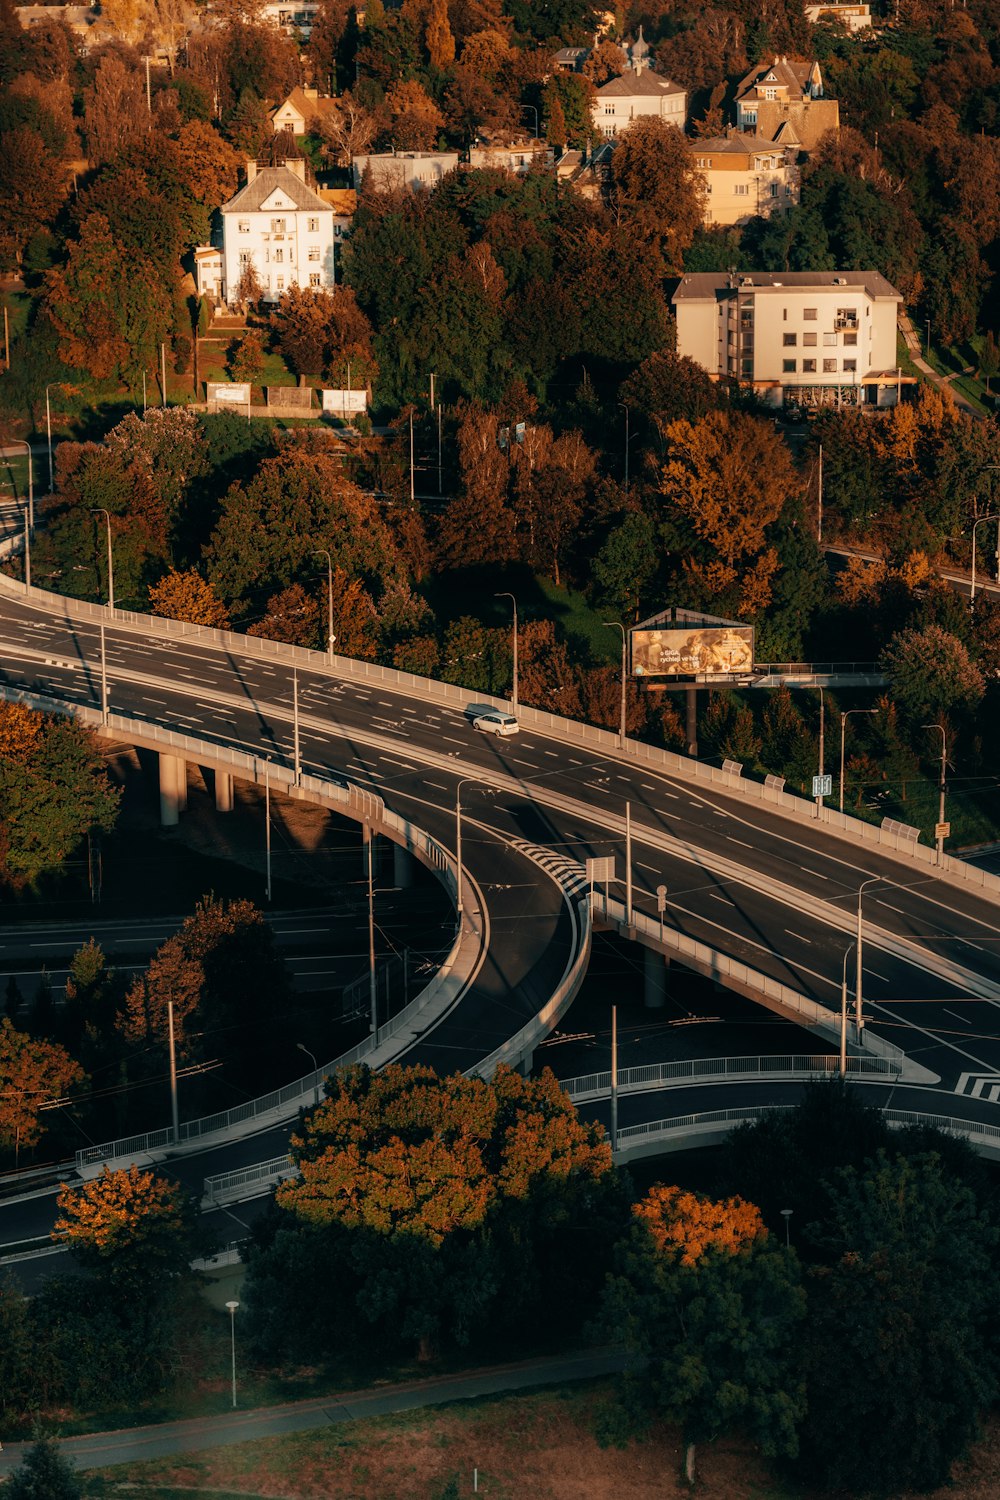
x=225, y=1187
x=649, y=1076
x=737, y=975
x=604, y=741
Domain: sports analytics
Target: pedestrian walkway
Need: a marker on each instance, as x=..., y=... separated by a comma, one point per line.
x=912, y=341
x=100, y=1450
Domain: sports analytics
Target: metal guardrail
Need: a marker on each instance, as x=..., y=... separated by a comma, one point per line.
x=650, y=1076
x=224, y=1186
x=986, y=1136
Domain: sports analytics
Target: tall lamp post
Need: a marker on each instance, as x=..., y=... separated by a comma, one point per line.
x=822, y=737
x=20, y=443
x=513, y=696
x=858, y=1017
x=312, y=1058
x=843, y=1012
x=231, y=1308
x=331, y=638
x=625, y=410
x=100, y=511
x=942, y=789
x=617, y=625
x=48, y=432
x=843, y=734
x=975, y=524
x=534, y=111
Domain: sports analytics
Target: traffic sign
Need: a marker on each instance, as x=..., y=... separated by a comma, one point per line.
x=942, y=830
x=822, y=786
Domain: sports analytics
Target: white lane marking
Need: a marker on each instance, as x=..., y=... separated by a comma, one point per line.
x=731, y=840
x=655, y=868
x=596, y=787
x=556, y=757
x=717, y=896
x=792, y=933
x=889, y=907
x=436, y=784
x=964, y=1019
x=450, y=740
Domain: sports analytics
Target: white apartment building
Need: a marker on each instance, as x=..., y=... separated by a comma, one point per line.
x=854, y=17
x=746, y=177
x=638, y=92
x=808, y=338
x=414, y=170
x=283, y=227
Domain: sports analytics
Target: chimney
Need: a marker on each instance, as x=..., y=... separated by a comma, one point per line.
x=251, y=172
x=296, y=164
x=311, y=93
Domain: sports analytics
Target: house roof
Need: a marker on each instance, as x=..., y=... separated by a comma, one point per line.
x=631, y=85
x=705, y=286
x=792, y=73
x=307, y=105
x=267, y=181
x=738, y=144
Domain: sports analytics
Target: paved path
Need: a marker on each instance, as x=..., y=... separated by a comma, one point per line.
x=99, y=1450
x=912, y=340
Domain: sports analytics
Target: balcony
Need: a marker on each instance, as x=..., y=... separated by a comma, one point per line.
x=843, y=322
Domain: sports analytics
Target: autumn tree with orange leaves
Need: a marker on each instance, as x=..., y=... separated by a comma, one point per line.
x=133, y=1228
x=713, y=1307
x=33, y=1074
x=438, y=1209
x=187, y=596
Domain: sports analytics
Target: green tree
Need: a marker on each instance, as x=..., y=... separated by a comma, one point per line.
x=714, y=1309
x=245, y=357
x=43, y=1474
x=658, y=191
x=133, y=1228
x=50, y=797
x=932, y=674
x=903, y=1327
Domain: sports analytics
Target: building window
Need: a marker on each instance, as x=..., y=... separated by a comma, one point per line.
x=829, y=367
x=788, y=366
x=609, y=109
x=850, y=366
x=809, y=313
x=774, y=190
x=280, y=283
x=279, y=254
x=789, y=340
x=312, y=225
x=741, y=190
x=748, y=369
x=809, y=367
x=277, y=226
x=850, y=338
x=788, y=190
x=314, y=278
x=244, y=226
x=704, y=161
x=314, y=252
x=245, y=257
x=770, y=93
x=809, y=340
x=750, y=116
x=830, y=340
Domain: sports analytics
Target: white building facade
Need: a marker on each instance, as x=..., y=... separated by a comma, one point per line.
x=283, y=228
x=801, y=338
x=746, y=177
x=637, y=93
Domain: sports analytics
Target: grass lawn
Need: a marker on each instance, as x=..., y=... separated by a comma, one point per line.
x=535, y=1446
x=14, y=476
x=949, y=359
x=583, y=626
x=904, y=358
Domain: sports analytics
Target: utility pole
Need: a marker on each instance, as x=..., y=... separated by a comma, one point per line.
x=628, y=864
x=173, y=1072
x=163, y=371
x=104, y=680
x=413, y=494
x=295, y=725
x=372, y=988
x=440, y=488
x=614, y=1082
x=819, y=523
x=149, y=94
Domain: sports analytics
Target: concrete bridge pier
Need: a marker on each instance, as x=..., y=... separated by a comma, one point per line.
x=224, y=791
x=655, y=971
x=173, y=788
x=402, y=867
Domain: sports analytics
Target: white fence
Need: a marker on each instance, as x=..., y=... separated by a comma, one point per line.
x=650, y=1076
x=230, y=1187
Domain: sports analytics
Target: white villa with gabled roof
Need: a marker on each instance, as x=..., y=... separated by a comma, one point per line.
x=283, y=227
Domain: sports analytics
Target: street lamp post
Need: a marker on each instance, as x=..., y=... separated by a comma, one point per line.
x=20, y=443
x=972, y=588
x=625, y=410
x=513, y=601
x=822, y=734
x=267, y=825
x=322, y=552
x=231, y=1307
x=843, y=1013
x=942, y=789
x=48, y=433
x=859, y=1019
x=534, y=111
x=312, y=1058
x=100, y=511
x=843, y=733
x=786, y=1214
x=617, y=625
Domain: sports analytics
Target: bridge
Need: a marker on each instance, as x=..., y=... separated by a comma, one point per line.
x=763, y=888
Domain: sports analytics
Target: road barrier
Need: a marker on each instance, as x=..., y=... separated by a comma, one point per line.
x=650, y=1076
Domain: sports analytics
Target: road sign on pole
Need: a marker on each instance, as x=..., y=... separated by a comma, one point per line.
x=822, y=786
x=942, y=830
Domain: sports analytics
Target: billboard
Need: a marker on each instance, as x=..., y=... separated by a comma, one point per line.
x=345, y=401
x=706, y=651
x=238, y=395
